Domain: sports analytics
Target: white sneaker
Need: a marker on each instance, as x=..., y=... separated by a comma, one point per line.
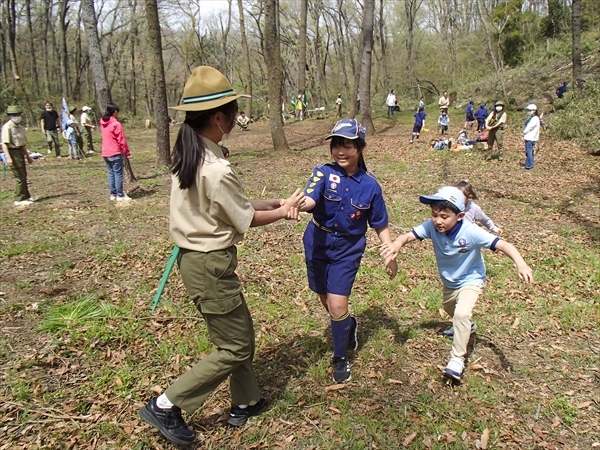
x=113, y=197
x=32, y=199
x=454, y=368
x=23, y=203
x=125, y=198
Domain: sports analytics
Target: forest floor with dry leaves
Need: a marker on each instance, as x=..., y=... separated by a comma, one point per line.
x=81, y=353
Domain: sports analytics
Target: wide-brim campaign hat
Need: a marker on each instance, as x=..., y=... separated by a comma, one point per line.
x=499, y=103
x=448, y=193
x=13, y=109
x=207, y=88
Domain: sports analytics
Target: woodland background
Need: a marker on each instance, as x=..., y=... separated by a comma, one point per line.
x=420, y=47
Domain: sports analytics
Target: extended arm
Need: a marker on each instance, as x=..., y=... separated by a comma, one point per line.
x=393, y=248
x=391, y=264
x=289, y=206
x=525, y=272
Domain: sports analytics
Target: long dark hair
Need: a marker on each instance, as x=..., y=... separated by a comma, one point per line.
x=189, y=150
x=359, y=144
x=111, y=108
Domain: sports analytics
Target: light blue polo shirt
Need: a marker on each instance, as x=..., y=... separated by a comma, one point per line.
x=458, y=252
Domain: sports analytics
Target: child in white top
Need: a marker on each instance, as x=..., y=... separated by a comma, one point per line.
x=473, y=213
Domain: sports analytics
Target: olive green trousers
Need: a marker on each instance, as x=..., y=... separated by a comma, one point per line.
x=216, y=290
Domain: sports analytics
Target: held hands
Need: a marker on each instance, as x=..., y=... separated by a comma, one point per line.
x=390, y=250
x=292, y=205
x=498, y=231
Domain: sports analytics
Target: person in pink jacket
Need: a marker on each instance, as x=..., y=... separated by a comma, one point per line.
x=114, y=149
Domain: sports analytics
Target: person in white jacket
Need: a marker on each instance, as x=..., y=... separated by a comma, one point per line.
x=531, y=134
x=390, y=101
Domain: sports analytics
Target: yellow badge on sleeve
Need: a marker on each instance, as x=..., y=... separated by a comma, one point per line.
x=312, y=184
x=315, y=179
x=308, y=191
x=319, y=173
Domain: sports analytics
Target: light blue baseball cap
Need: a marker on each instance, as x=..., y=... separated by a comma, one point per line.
x=448, y=193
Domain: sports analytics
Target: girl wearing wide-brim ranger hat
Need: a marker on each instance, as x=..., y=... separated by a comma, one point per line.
x=209, y=215
x=14, y=146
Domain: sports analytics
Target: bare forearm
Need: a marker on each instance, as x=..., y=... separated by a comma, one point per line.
x=511, y=251
x=384, y=235
x=265, y=205
x=262, y=217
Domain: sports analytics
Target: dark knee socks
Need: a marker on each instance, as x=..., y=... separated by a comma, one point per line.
x=340, y=331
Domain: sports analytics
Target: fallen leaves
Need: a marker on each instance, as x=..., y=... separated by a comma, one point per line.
x=335, y=387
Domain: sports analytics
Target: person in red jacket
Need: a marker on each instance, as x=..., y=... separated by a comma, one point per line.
x=114, y=148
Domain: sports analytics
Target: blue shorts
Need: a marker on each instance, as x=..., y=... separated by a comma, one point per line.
x=417, y=128
x=332, y=260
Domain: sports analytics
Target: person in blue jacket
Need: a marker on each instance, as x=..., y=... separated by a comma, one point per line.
x=560, y=91
x=344, y=200
x=469, y=116
x=481, y=115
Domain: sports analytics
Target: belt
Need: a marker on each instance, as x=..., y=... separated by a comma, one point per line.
x=329, y=230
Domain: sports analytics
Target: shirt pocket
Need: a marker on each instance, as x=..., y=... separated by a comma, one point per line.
x=360, y=204
x=331, y=202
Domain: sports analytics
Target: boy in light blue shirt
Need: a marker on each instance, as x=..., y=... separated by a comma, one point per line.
x=457, y=246
x=443, y=121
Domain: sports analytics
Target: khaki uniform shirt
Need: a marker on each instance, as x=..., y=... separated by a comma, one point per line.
x=86, y=119
x=213, y=213
x=13, y=135
x=493, y=119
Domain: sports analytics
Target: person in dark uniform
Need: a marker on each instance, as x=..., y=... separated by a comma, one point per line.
x=344, y=199
x=50, y=126
x=209, y=214
x=560, y=91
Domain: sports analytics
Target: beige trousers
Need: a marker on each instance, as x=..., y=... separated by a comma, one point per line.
x=459, y=304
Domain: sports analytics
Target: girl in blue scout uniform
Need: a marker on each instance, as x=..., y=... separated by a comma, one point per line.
x=343, y=198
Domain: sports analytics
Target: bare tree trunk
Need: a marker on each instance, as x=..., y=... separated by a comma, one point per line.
x=34, y=72
x=576, y=46
x=90, y=24
x=365, y=67
x=248, y=62
x=63, y=8
x=488, y=37
x=163, y=155
x=133, y=37
x=386, y=77
x=10, y=18
x=272, y=55
x=78, y=58
x=302, y=45
x=45, y=49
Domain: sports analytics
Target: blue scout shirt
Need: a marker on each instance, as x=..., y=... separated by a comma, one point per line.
x=345, y=204
x=469, y=112
x=419, y=118
x=482, y=113
x=458, y=252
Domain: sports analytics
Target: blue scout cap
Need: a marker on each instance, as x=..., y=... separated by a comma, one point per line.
x=349, y=129
x=448, y=193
